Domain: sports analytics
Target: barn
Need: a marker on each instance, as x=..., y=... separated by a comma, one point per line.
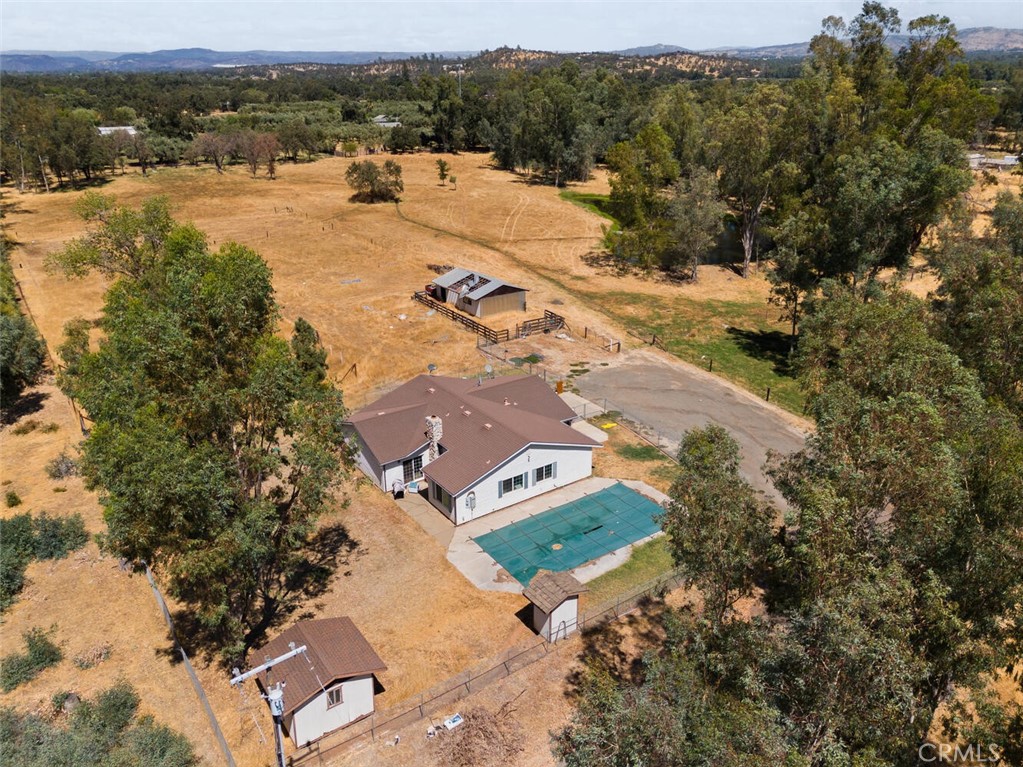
x=329, y=686
x=477, y=294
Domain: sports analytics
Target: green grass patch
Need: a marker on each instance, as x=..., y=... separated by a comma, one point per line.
x=744, y=340
x=640, y=452
x=648, y=561
x=594, y=203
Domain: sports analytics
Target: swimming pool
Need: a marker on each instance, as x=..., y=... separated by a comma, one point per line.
x=572, y=534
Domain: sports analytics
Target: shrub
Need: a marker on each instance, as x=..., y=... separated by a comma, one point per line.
x=62, y=466
x=50, y=428
x=40, y=653
x=12, y=499
x=56, y=536
x=18, y=535
x=26, y=427
x=25, y=539
x=154, y=745
x=12, y=576
x=92, y=657
x=103, y=732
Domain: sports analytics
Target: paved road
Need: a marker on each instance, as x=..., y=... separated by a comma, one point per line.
x=671, y=399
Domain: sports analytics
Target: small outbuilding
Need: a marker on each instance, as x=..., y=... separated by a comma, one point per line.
x=329, y=686
x=477, y=294
x=108, y=130
x=555, y=598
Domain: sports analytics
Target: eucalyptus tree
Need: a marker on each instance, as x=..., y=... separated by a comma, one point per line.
x=216, y=445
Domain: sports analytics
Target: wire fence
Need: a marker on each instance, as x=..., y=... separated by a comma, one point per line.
x=666, y=442
x=440, y=701
x=196, y=684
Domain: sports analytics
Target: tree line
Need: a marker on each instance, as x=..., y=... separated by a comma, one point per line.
x=554, y=122
x=868, y=628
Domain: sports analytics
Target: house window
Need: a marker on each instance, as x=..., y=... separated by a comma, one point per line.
x=335, y=696
x=442, y=496
x=412, y=469
x=544, y=472
x=513, y=483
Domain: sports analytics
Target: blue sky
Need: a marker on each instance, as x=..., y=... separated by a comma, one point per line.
x=415, y=25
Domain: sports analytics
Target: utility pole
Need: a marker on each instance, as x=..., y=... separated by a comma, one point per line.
x=458, y=71
x=274, y=696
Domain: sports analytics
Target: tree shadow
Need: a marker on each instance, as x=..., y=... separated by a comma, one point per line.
x=617, y=646
x=607, y=263
x=79, y=184
x=773, y=346
x=329, y=553
x=27, y=403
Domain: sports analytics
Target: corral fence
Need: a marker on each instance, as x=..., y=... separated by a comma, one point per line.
x=546, y=324
x=440, y=701
x=199, y=691
x=491, y=335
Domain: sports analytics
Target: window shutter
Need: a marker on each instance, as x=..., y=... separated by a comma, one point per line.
x=500, y=488
x=554, y=470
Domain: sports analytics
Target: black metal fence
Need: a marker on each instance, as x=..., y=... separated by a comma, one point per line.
x=438, y=702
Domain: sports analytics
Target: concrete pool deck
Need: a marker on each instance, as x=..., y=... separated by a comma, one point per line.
x=480, y=568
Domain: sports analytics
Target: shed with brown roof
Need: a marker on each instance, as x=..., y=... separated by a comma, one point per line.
x=329, y=686
x=555, y=598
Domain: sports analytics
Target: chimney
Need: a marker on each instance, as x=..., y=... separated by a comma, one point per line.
x=434, y=432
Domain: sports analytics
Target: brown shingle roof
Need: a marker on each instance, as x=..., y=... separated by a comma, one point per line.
x=483, y=424
x=336, y=650
x=547, y=590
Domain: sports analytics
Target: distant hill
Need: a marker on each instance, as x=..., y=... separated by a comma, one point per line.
x=654, y=59
x=973, y=40
x=652, y=50
x=193, y=59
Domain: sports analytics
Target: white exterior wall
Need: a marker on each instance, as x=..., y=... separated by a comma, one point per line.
x=315, y=719
x=382, y=476
x=574, y=462
x=558, y=624
x=367, y=462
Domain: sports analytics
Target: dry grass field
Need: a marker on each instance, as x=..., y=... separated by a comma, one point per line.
x=350, y=270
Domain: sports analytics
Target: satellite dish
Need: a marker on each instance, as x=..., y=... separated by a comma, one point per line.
x=431, y=367
x=489, y=370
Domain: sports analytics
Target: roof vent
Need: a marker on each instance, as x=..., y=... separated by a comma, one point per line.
x=507, y=401
x=431, y=390
x=381, y=412
x=466, y=412
x=488, y=426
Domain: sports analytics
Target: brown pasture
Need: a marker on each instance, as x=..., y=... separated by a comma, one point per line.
x=350, y=270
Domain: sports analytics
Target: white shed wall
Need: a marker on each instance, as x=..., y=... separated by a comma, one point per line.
x=558, y=624
x=315, y=719
x=572, y=463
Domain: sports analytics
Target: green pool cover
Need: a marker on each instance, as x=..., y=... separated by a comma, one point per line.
x=571, y=535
